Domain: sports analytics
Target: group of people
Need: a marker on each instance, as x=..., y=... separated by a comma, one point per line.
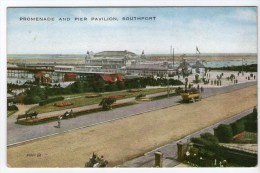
x=96, y=161
x=201, y=89
x=65, y=115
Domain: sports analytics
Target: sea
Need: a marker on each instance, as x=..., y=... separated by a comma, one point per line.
x=229, y=63
x=224, y=63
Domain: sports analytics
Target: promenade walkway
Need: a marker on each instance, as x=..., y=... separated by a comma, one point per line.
x=170, y=150
x=20, y=133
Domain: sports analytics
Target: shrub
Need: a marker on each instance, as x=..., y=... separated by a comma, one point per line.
x=205, y=142
x=251, y=126
x=12, y=108
x=32, y=99
x=238, y=127
x=208, y=136
x=224, y=133
x=20, y=98
x=139, y=96
x=120, y=85
x=111, y=87
x=106, y=103
x=251, y=121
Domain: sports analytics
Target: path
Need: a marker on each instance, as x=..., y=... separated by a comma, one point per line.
x=19, y=133
x=170, y=150
x=131, y=137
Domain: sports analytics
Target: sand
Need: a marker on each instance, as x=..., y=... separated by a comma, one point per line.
x=128, y=138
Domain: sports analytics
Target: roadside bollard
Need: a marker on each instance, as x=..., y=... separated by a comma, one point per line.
x=182, y=148
x=158, y=159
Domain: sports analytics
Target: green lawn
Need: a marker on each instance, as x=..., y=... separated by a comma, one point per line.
x=79, y=100
x=54, y=118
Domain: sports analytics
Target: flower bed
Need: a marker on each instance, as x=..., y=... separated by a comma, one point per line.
x=41, y=119
x=143, y=99
x=240, y=135
x=117, y=97
x=134, y=90
x=62, y=104
x=92, y=95
x=46, y=119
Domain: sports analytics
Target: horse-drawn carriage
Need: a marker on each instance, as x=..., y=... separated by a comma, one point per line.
x=191, y=95
x=187, y=97
x=67, y=115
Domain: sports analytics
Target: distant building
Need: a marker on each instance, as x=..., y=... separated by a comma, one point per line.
x=112, y=59
x=198, y=67
x=70, y=77
x=150, y=70
x=111, y=78
x=42, y=78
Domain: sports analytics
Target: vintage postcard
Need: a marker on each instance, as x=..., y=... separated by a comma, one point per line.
x=132, y=86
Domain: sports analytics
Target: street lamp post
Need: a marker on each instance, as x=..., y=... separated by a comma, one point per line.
x=243, y=60
x=168, y=89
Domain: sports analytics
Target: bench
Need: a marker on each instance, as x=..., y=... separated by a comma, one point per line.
x=31, y=115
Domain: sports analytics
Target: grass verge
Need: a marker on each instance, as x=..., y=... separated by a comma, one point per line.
x=81, y=100
x=81, y=113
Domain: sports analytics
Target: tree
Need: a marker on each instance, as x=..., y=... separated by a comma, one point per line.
x=99, y=85
x=32, y=99
x=238, y=127
x=251, y=121
x=106, y=103
x=120, y=85
x=224, y=133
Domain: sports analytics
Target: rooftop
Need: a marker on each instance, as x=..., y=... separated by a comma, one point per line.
x=198, y=64
x=147, y=66
x=114, y=53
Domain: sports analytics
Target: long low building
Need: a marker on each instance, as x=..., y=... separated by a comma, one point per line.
x=56, y=74
x=150, y=70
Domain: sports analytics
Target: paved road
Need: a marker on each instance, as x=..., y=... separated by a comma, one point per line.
x=20, y=133
x=170, y=150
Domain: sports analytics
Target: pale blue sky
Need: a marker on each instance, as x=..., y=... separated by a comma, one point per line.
x=212, y=29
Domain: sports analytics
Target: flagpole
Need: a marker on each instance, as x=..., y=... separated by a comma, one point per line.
x=173, y=58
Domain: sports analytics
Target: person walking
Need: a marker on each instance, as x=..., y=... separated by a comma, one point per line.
x=201, y=89
x=59, y=121
x=72, y=115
